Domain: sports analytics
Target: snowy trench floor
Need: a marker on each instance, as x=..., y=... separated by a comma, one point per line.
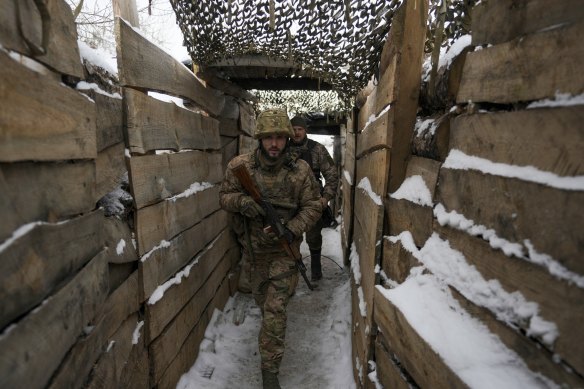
x=318, y=342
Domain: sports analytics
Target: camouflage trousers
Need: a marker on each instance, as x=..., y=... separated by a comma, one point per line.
x=272, y=296
x=314, y=236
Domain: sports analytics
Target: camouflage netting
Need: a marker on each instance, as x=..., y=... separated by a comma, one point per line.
x=339, y=39
x=300, y=101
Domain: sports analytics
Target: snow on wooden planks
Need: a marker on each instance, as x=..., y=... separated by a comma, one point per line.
x=35, y=264
x=44, y=191
x=531, y=67
x=159, y=264
x=156, y=177
x=406, y=215
x=33, y=349
x=550, y=139
x=143, y=65
x=422, y=363
x=154, y=125
x=42, y=119
x=50, y=39
x=559, y=301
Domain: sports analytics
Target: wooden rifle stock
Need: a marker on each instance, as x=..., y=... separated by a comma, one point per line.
x=274, y=224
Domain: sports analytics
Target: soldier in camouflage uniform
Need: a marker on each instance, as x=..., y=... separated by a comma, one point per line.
x=320, y=161
x=291, y=188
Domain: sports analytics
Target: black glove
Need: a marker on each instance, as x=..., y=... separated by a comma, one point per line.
x=288, y=235
x=248, y=207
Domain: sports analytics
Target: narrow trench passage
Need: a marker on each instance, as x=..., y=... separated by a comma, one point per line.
x=318, y=342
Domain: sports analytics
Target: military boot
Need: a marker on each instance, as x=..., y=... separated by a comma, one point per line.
x=270, y=380
x=315, y=268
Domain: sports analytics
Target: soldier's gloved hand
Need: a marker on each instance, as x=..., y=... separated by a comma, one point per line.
x=288, y=235
x=248, y=207
x=268, y=238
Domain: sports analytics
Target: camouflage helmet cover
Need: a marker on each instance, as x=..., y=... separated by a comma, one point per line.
x=273, y=122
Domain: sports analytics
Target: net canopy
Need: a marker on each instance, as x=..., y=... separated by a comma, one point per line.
x=336, y=41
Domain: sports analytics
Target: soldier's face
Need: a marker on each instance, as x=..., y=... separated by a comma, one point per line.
x=274, y=145
x=299, y=134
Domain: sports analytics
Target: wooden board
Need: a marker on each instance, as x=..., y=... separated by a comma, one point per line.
x=551, y=139
x=550, y=218
x=161, y=264
x=229, y=150
x=359, y=339
x=36, y=192
x=153, y=124
x=413, y=15
x=156, y=177
x=190, y=349
x=110, y=169
x=38, y=262
x=347, y=222
x=142, y=64
x=558, y=301
x=229, y=127
x=404, y=215
x=537, y=359
x=375, y=167
x=246, y=144
x=165, y=220
x=42, y=119
x=433, y=144
x=427, y=168
x=397, y=261
x=367, y=236
x=247, y=120
x=388, y=372
x=120, y=304
x=226, y=86
x=166, y=346
x=109, y=121
x=349, y=156
x=176, y=297
x=60, y=44
x=426, y=367
x=533, y=67
x=377, y=135
x=367, y=112
x=33, y=349
x=107, y=372
x=501, y=21
x=118, y=238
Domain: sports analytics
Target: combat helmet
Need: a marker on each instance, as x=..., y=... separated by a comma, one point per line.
x=273, y=122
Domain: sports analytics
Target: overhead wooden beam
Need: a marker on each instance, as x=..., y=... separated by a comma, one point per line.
x=230, y=88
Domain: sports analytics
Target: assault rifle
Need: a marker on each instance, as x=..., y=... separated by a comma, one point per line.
x=272, y=219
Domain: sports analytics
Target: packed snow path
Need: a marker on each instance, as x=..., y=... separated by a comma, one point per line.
x=318, y=342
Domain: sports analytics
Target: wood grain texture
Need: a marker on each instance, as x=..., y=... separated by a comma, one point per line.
x=61, y=52
x=110, y=169
x=533, y=67
x=153, y=125
x=388, y=372
x=160, y=264
x=404, y=215
x=109, y=121
x=166, y=346
x=558, y=301
x=247, y=120
x=376, y=135
x=425, y=366
x=375, y=167
x=36, y=192
x=550, y=139
x=496, y=22
x=118, y=238
x=32, y=350
x=165, y=220
x=246, y=144
x=175, y=298
x=549, y=218
x=42, y=119
x=35, y=264
x=143, y=65
x=157, y=177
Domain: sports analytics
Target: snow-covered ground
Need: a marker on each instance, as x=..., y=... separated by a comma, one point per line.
x=318, y=342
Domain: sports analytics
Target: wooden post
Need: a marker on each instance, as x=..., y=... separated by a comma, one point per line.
x=127, y=10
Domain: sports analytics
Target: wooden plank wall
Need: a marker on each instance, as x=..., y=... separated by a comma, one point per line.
x=69, y=283
x=176, y=162
x=533, y=53
x=384, y=121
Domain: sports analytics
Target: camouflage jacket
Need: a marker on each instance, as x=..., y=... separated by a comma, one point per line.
x=291, y=189
x=321, y=162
